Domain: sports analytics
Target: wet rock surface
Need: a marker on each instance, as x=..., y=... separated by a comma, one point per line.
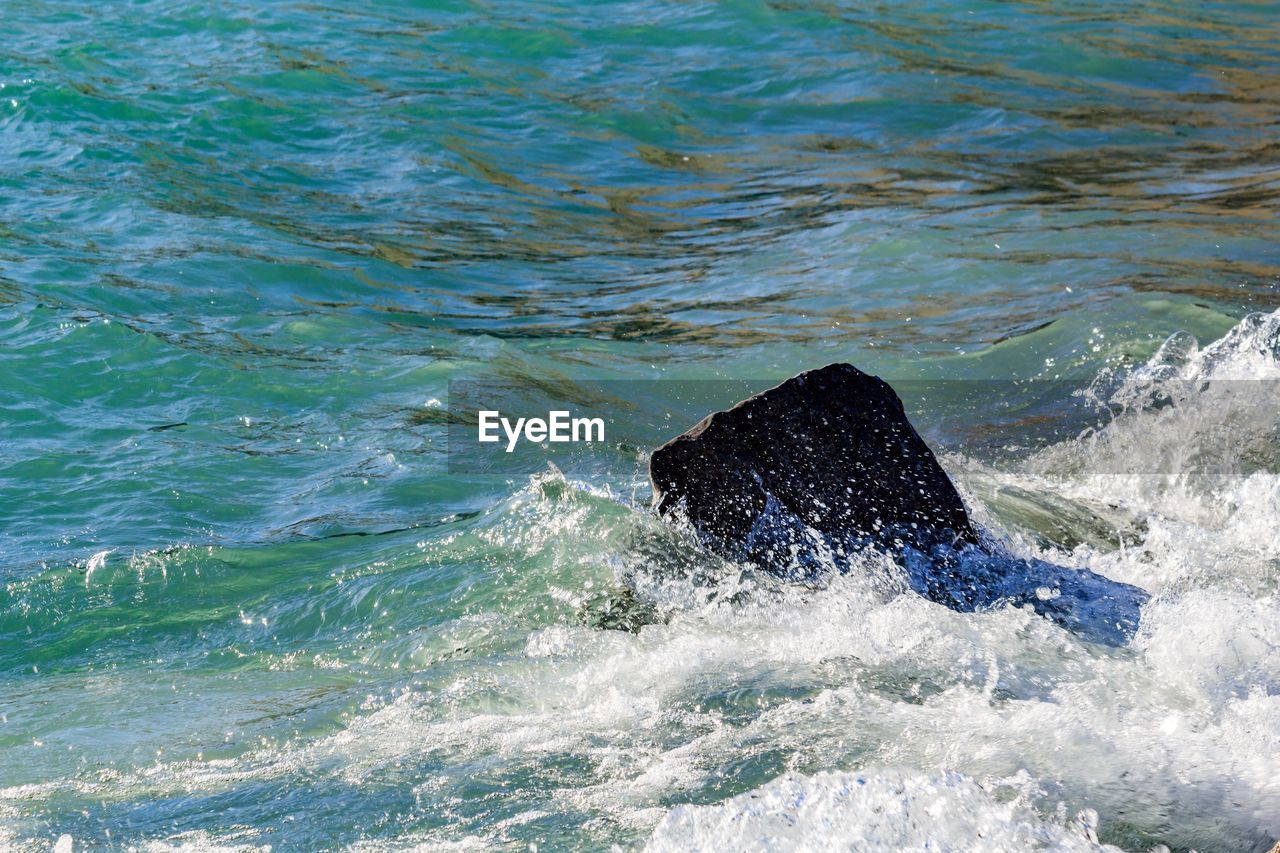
x=832, y=447
x=801, y=477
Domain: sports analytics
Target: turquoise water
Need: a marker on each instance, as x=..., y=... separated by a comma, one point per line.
x=244, y=249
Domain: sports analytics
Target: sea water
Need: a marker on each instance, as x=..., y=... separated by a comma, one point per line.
x=246, y=600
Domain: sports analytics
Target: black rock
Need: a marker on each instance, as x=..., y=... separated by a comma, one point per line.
x=830, y=447
x=801, y=477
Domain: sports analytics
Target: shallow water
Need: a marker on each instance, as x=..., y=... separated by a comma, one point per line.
x=245, y=601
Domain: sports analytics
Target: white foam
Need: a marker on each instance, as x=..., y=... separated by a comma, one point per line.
x=885, y=810
x=1002, y=725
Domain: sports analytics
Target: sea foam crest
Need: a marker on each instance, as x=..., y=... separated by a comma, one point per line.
x=874, y=811
x=1187, y=428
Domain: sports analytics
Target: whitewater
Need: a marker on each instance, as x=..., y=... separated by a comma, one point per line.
x=871, y=717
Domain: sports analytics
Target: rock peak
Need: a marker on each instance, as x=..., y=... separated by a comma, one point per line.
x=831, y=446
